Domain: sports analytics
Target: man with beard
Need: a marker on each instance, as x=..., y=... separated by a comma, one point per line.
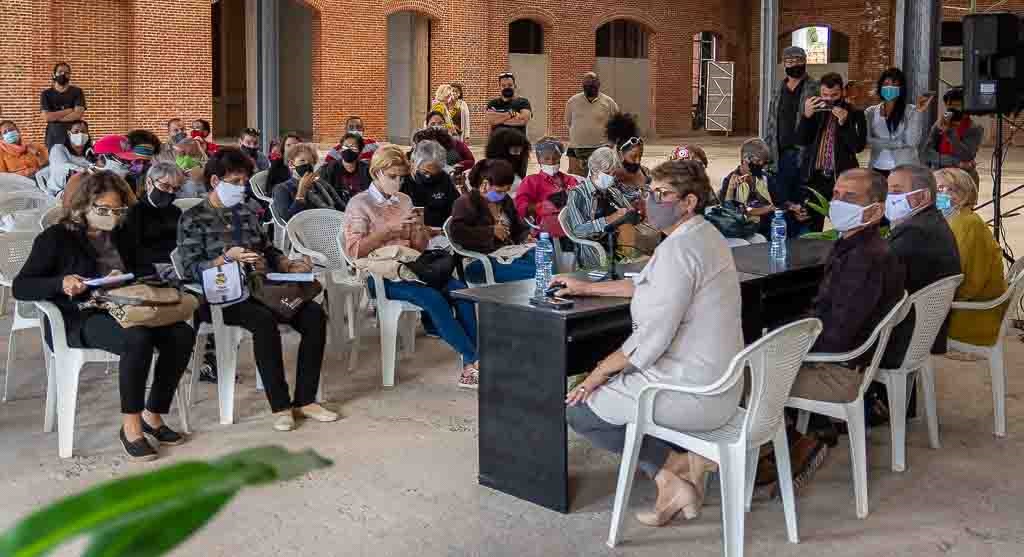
x=61, y=105
x=508, y=110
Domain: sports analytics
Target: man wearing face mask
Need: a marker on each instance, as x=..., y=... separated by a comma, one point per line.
x=955, y=138
x=755, y=191
x=784, y=117
x=586, y=115
x=61, y=104
x=354, y=125
x=833, y=133
x=543, y=195
x=175, y=134
x=509, y=110
x=153, y=220
x=249, y=143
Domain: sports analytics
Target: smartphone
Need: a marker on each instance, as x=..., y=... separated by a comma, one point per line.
x=417, y=214
x=553, y=303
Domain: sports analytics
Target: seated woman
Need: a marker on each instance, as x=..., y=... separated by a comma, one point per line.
x=686, y=315
x=153, y=221
x=18, y=156
x=382, y=216
x=485, y=219
x=70, y=157
x=664, y=216
x=543, y=195
x=750, y=188
x=595, y=203
x=201, y=132
x=512, y=145
x=87, y=245
x=633, y=179
x=981, y=259
x=457, y=154
x=348, y=174
x=429, y=186
x=225, y=228
x=279, y=171
x=304, y=190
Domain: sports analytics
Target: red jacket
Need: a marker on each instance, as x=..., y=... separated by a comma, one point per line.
x=533, y=198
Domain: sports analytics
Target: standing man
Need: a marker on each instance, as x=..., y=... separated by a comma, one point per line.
x=61, y=105
x=784, y=119
x=587, y=115
x=833, y=132
x=508, y=110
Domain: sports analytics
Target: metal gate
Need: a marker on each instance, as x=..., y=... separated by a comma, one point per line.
x=719, y=96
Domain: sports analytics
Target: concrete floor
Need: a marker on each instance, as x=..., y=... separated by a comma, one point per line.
x=404, y=479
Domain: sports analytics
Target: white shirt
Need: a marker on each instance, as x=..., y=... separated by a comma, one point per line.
x=879, y=125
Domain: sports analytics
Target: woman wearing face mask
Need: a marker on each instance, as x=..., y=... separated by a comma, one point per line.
x=462, y=123
x=446, y=105
x=981, y=259
x=429, y=186
x=383, y=216
x=348, y=174
x=634, y=179
x=249, y=143
x=305, y=189
x=750, y=188
x=87, y=244
x=154, y=219
x=279, y=171
x=113, y=154
x=895, y=128
x=201, y=133
x=189, y=157
x=485, y=220
x=595, y=203
x=543, y=195
x=512, y=145
x=687, y=329
x=225, y=228
x=70, y=157
x=18, y=156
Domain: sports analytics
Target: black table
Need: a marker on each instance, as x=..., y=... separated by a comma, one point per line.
x=526, y=353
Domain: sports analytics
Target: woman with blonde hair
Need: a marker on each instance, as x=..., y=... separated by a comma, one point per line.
x=446, y=104
x=981, y=259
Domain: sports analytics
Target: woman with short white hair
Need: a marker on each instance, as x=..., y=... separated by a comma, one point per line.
x=154, y=219
x=595, y=203
x=429, y=186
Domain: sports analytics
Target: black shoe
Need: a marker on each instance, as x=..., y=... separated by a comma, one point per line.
x=208, y=374
x=139, y=450
x=163, y=434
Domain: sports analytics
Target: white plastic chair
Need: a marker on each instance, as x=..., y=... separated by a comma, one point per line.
x=186, y=203
x=15, y=182
x=472, y=255
x=931, y=305
x=853, y=412
x=563, y=220
x=62, y=382
x=51, y=217
x=15, y=248
x=23, y=207
x=389, y=314
x=774, y=361
x=258, y=183
x=995, y=354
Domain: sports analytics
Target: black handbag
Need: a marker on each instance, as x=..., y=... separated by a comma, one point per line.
x=434, y=267
x=732, y=223
x=284, y=299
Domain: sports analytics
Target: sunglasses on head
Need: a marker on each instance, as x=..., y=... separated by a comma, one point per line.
x=632, y=142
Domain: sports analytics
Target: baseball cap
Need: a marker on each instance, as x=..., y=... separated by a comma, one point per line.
x=116, y=145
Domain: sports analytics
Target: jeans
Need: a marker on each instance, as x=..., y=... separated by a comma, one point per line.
x=310, y=322
x=458, y=330
x=521, y=269
x=610, y=437
x=135, y=346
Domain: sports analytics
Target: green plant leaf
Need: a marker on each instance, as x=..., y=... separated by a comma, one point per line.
x=831, y=235
x=820, y=205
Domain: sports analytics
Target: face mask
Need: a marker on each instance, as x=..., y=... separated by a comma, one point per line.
x=117, y=167
x=890, y=92
x=159, y=198
x=796, y=72
x=897, y=206
x=591, y=91
x=356, y=132
x=253, y=152
x=100, y=222
x=78, y=139
x=666, y=214
x=303, y=169
x=11, y=137
x=178, y=137
x=631, y=167
x=944, y=203
x=230, y=194
x=604, y=181
x=955, y=115
x=199, y=134
x=388, y=185
x=186, y=162
x=349, y=155
x=495, y=196
x=62, y=79
x=508, y=92
x=845, y=216
x=756, y=170
x=549, y=169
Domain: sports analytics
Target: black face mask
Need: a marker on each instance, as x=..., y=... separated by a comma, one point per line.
x=426, y=178
x=956, y=115
x=756, y=170
x=62, y=79
x=631, y=167
x=796, y=72
x=159, y=198
x=591, y=91
x=253, y=152
x=303, y=169
x=508, y=92
x=349, y=155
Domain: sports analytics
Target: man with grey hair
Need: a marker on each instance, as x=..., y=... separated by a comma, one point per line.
x=784, y=119
x=586, y=115
x=594, y=204
x=758, y=192
x=153, y=221
x=429, y=186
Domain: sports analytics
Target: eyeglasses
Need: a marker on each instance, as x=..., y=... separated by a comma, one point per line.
x=632, y=142
x=165, y=186
x=107, y=211
x=660, y=195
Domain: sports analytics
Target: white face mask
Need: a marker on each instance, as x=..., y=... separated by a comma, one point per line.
x=604, y=181
x=897, y=206
x=117, y=167
x=549, y=169
x=78, y=139
x=230, y=194
x=388, y=185
x=846, y=216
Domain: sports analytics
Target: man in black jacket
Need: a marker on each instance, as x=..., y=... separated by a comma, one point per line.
x=833, y=133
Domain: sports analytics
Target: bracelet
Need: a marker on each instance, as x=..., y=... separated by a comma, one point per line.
x=227, y=258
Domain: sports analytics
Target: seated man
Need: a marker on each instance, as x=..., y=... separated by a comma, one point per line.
x=18, y=156
x=354, y=124
x=249, y=143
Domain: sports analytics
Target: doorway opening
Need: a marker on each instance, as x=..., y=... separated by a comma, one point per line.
x=528, y=61
x=408, y=74
x=622, y=48
x=230, y=78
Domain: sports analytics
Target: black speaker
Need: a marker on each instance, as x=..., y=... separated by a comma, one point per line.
x=993, y=63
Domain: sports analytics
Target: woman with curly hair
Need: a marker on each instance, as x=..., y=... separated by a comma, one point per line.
x=458, y=154
x=512, y=145
x=624, y=134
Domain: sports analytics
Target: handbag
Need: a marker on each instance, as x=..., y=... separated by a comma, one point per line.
x=144, y=304
x=284, y=299
x=433, y=267
x=730, y=222
x=225, y=285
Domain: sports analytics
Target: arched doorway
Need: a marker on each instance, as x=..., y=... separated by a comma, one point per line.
x=229, y=64
x=705, y=49
x=528, y=61
x=828, y=50
x=295, y=67
x=622, y=48
x=409, y=92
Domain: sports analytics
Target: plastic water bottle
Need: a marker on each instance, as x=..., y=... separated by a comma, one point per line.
x=778, y=245
x=544, y=257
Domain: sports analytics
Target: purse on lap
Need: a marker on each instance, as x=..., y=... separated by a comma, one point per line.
x=284, y=299
x=144, y=304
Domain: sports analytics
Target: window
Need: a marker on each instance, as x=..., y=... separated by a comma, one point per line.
x=952, y=33
x=525, y=37
x=621, y=39
x=824, y=45
x=705, y=49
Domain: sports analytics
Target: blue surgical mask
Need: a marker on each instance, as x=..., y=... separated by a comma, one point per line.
x=604, y=181
x=495, y=196
x=944, y=203
x=890, y=92
x=12, y=137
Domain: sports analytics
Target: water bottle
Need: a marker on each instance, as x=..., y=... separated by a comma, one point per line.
x=544, y=257
x=778, y=245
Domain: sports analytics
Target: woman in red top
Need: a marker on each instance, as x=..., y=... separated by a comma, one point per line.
x=542, y=196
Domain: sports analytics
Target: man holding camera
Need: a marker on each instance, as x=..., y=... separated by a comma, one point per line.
x=832, y=132
x=955, y=138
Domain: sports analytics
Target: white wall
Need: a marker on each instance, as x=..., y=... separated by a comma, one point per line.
x=295, y=67
x=627, y=80
x=531, y=71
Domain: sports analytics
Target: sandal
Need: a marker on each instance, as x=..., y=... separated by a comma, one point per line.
x=470, y=378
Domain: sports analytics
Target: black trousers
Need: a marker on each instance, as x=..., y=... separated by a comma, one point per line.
x=135, y=346
x=310, y=322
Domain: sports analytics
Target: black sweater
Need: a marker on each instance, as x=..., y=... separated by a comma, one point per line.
x=155, y=235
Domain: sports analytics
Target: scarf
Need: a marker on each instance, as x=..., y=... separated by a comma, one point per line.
x=945, y=147
x=827, y=149
x=11, y=149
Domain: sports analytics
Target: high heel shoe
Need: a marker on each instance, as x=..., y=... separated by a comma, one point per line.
x=685, y=501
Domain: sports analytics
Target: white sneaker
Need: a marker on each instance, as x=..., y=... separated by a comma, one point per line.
x=284, y=420
x=316, y=412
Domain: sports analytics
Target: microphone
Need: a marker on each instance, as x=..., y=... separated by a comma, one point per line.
x=632, y=217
